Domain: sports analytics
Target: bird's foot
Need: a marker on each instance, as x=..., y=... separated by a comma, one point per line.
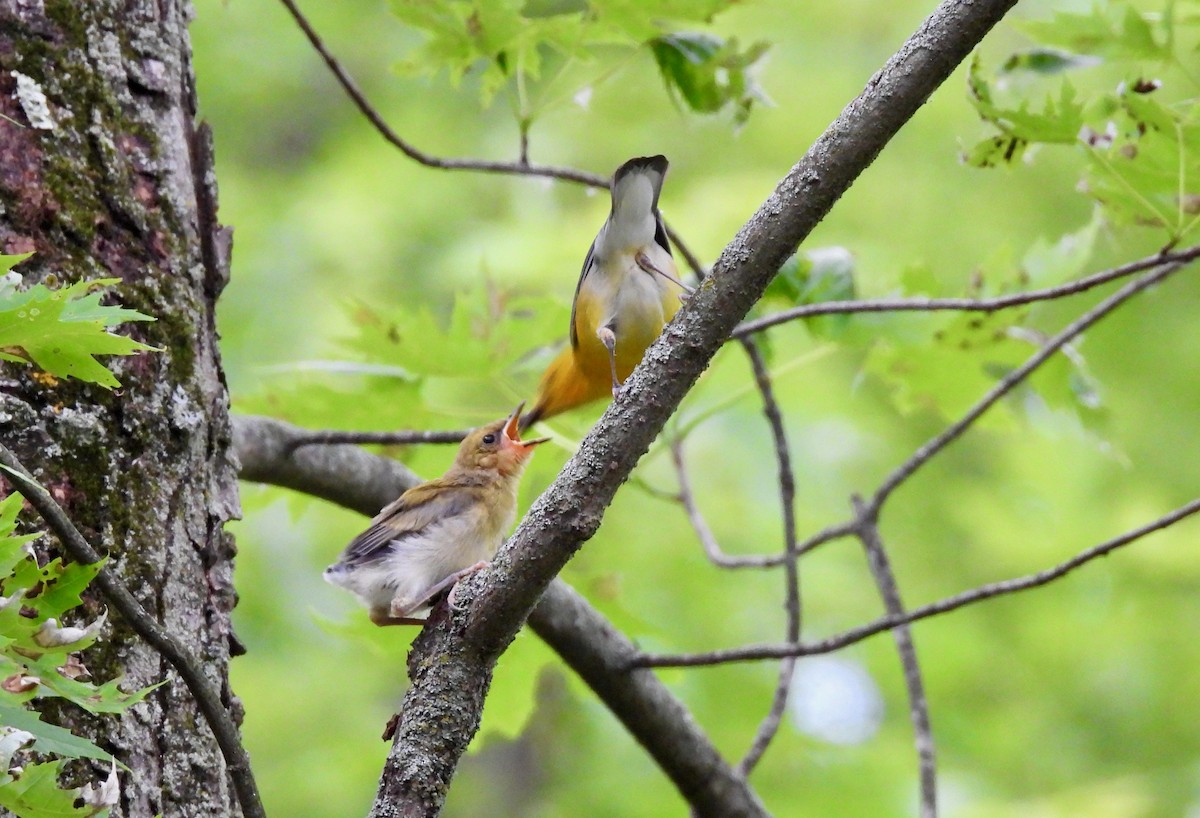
x=643, y=261
x=609, y=339
x=458, y=577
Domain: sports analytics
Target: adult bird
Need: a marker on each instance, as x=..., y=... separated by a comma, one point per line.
x=628, y=290
x=440, y=531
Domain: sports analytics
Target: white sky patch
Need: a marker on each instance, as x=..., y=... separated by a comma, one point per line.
x=33, y=102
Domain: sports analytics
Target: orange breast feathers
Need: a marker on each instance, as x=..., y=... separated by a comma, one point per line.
x=628, y=290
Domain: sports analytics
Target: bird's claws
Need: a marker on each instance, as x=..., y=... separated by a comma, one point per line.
x=459, y=577
x=643, y=261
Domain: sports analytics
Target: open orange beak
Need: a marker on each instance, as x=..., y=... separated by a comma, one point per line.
x=512, y=431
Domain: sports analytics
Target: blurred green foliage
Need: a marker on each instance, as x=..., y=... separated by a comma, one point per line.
x=372, y=293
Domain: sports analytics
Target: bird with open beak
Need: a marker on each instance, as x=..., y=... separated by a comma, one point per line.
x=440, y=531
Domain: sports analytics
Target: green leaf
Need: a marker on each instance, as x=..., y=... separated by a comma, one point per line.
x=1047, y=61
x=1058, y=121
x=49, y=738
x=8, y=262
x=708, y=73
x=1141, y=170
x=61, y=330
x=1116, y=31
x=36, y=794
x=816, y=276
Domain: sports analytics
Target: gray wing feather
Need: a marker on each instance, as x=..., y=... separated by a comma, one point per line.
x=409, y=516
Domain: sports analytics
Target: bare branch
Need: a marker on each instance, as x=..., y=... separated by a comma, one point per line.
x=918, y=705
x=850, y=637
x=687, y=498
x=518, y=168
x=693, y=261
x=452, y=658
x=1008, y=382
x=787, y=495
x=207, y=697
x=585, y=640
x=747, y=328
x=333, y=437
x=264, y=450
x=708, y=540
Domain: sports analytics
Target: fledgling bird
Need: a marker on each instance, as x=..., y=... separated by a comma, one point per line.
x=438, y=532
x=628, y=290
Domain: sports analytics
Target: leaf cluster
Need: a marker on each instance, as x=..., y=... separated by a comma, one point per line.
x=1124, y=101
x=39, y=659
x=516, y=45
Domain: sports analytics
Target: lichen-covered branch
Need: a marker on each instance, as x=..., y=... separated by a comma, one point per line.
x=452, y=659
x=584, y=639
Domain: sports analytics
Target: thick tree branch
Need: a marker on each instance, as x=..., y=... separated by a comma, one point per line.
x=335, y=473
x=953, y=603
x=451, y=661
x=208, y=697
x=585, y=640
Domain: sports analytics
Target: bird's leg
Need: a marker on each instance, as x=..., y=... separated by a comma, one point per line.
x=609, y=339
x=382, y=617
x=642, y=260
x=401, y=608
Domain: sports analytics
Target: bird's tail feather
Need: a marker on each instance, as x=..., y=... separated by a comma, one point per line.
x=564, y=386
x=631, y=196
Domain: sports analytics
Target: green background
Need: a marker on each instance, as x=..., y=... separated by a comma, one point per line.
x=1077, y=699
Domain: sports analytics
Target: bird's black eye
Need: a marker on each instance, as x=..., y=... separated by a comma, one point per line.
x=489, y=439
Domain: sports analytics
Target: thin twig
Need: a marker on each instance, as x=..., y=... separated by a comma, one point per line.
x=1008, y=382
x=522, y=167
x=961, y=304
x=207, y=697
x=333, y=437
x=854, y=635
x=408, y=149
x=769, y=726
x=687, y=498
x=918, y=704
x=712, y=548
x=693, y=261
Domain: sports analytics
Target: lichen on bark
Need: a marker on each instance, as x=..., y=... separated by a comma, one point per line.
x=121, y=187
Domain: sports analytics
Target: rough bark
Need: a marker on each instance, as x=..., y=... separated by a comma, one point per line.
x=118, y=183
x=581, y=636
x=451, y=661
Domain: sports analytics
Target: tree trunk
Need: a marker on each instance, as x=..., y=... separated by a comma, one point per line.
x=111, y=177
